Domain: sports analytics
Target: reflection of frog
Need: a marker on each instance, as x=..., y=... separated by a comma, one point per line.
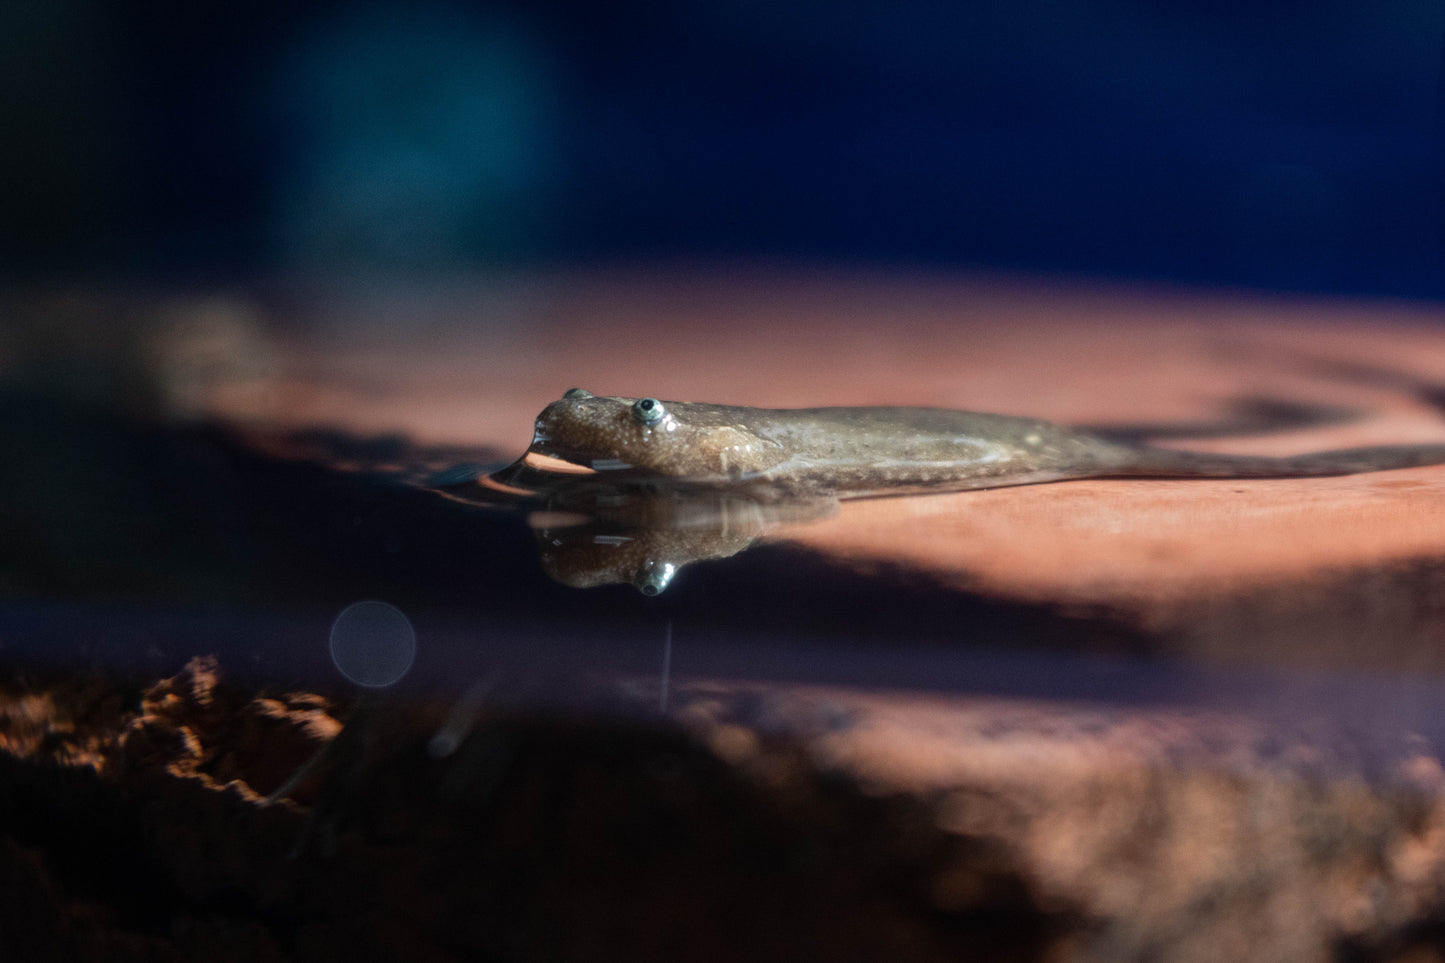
x=590, y=555
x=644, y=537
x=860, y=452
x=595, y=529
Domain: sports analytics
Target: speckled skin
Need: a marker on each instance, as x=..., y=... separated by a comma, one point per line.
x=870, y=451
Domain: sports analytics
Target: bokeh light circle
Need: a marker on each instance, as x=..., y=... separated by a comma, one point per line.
x=373, y=643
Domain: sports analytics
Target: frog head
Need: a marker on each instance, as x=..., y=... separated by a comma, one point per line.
x=670, y=439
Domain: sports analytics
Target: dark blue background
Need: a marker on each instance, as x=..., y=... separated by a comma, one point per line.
x=1277, y=144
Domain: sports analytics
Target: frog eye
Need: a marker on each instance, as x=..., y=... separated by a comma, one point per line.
x=575, y=393
x=648, y=411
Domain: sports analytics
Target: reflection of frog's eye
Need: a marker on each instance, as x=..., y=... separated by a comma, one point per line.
x=654, y=577
x=575, y=393
x=648, y=411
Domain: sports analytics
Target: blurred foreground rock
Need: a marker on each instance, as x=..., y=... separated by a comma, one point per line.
x=753, y=822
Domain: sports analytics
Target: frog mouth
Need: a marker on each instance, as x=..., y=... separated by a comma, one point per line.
x=546, y=447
